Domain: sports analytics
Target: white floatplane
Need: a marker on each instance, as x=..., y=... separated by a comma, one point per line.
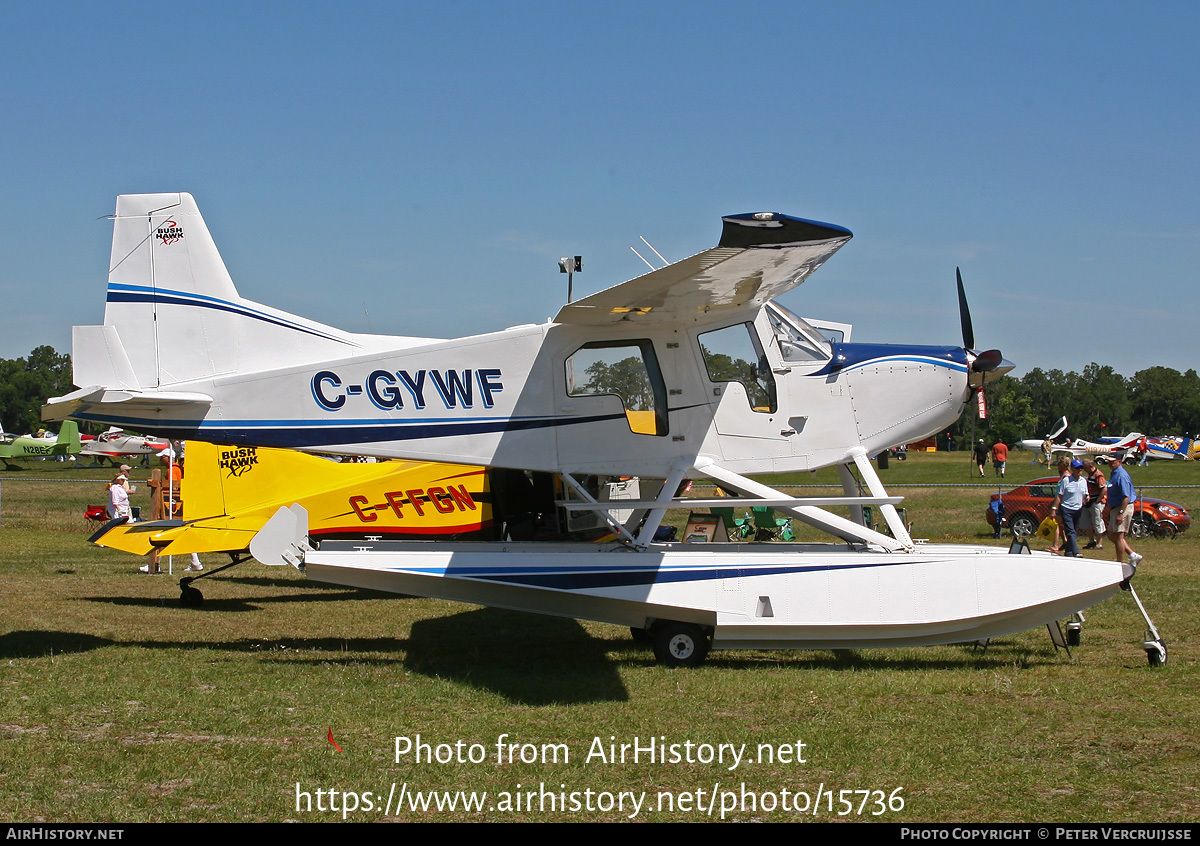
x=690, y=371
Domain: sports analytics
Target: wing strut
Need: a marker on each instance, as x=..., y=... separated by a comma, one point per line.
x=824, y=520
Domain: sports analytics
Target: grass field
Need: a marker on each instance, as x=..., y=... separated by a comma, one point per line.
x=116, y=704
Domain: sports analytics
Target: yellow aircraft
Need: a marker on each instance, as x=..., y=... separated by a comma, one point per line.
x=228, y=493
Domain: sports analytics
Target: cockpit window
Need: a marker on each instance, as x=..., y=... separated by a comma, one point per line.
x=733, y=354
x=797, y=341
x=628, y=369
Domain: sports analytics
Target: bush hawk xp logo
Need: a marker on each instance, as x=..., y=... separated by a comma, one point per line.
x=237, y=461
x=169, y=232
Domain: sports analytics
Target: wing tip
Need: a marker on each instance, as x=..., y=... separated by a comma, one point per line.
x=767, y=229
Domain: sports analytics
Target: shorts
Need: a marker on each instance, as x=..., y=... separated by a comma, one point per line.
x=999, y=465
x=1092, y=519
x=1119, y=522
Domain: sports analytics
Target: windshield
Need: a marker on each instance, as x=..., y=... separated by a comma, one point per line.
x=797, y=340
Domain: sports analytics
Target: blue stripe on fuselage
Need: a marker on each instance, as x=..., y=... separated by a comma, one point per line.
x=297, y=434
x=852, y=356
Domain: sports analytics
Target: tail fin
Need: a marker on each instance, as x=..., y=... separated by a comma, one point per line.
x=174, y=312
x=68, y=438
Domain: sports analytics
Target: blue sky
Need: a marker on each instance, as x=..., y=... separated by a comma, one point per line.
x=418, y=168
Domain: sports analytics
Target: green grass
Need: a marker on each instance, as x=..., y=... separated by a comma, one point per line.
x=117, y=704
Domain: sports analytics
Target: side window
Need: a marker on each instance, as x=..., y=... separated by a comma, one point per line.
x=733, y=354
x=628, y=369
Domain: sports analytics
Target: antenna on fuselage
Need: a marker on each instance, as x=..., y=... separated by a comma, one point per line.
x=656, y=252
x=570, y=267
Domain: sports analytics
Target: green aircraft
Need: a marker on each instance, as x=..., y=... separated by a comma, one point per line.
x=27, y=446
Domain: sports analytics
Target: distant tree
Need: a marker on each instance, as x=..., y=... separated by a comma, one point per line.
x=1049, y=394
x=1097, y=402
x=1100, y=400
x=1165, y=401
x=1010, y=413
x=26, y=383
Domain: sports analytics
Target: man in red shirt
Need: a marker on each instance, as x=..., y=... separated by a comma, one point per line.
x=999, y=457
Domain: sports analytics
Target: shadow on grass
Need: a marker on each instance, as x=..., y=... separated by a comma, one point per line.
x=301, y=592
x=529, y=659
x=999, y=653
x=223, y=604
x=525, y=658
x=33, y=644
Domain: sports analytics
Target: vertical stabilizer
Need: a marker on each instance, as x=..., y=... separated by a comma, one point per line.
x=176, y=310
x=68, y=438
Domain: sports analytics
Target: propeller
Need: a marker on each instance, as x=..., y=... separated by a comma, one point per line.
x=988, y=361
x=964, y=314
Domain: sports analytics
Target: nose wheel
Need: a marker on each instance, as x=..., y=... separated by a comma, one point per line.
x=1156, y=651
x=1154, y=645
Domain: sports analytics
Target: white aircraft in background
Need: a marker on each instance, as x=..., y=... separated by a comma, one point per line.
x=1077, y=447
x=116, y=444
x=690, y=371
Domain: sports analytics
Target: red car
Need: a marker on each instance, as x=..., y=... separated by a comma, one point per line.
x=1025, y=508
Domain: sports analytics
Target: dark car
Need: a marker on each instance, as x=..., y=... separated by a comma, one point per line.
x=1026, y=506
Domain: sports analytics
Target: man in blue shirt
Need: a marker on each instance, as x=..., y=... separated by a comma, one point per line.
x=1119, y=507
x=1072, y=492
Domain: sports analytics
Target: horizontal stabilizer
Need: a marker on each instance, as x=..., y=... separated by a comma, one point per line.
x=132, y=408
x=760, y=256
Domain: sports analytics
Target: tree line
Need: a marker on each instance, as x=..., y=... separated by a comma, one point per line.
x=26, y=383
x=1098, y=402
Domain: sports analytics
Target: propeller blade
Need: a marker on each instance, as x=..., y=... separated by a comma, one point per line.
x=964, y=314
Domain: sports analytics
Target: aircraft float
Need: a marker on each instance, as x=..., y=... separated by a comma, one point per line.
x=690, y=371
x=27, y=446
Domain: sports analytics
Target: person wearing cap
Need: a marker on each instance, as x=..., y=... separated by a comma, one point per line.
x=1091, y=522
x=981, y=454
x=1068, y=503
x=118, y=494
x=1119, y=508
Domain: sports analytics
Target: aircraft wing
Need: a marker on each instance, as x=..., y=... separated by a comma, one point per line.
x=759, y=257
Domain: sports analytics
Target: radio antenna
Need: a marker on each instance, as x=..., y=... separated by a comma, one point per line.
x=656, y=252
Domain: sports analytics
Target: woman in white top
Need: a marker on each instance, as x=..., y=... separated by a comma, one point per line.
x=118, y=497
